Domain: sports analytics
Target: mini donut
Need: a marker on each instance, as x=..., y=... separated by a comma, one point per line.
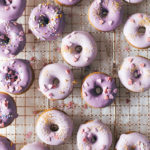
x=56, y=81
x=98, y=90
x=35, y=146
x=133, y=141
x=6, y=144
x=67, y=2
x=46, y=22
x=105, y=15
x=8, y=110
x=94, y=135
x=15, y=76
x=12, y=39
x=54, y=127
x=133, y=1
x=11, y=10
x=79, y=53
x=132, y=32
x=134, y=73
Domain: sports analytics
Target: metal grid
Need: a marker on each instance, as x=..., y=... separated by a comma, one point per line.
x=130, y=112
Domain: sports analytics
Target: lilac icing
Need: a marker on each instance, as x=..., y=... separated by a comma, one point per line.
x=35, y=146
x=105, y=15
x=15, y=76
x=51, y=73
x=106, y=90
x=6, y=144
x=86, y=45
x=134, y=73
x=133, y=36
x=8, y=110
x=67, y=2
x=46, y=22
x=11, y=10
x=12, y=39
x=94, y=135
x=133, y=140
x=54, y=127
x=134, y=1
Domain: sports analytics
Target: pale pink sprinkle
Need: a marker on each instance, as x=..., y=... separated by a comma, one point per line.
x=7, y=7
x=148, y=39
x=108, y=78
x=86, y=84
x=109, y=90
x=82, y=131
x=86, y=59
x=68, y=71
x=142, y=65
x=56, y=137
x=106, y=97
x=6, y=103
x=132, y=20
x=99, y=80
x=6, y=51
x=75, y=59
x=50, y=86
x=111, y=96
x=21, y=33
x=110, y=22
x=130, y=60
x=20, y=39
x=101, y=22
x=51, y=95
x=77, y=56
x=130, y=82
x=105, y=91
x=70, y=0
x=11, y=89
x=18, y=88
x=115, y=91
x=2, y=125
x=84, y=94
x=67, y=46
x=140, y=16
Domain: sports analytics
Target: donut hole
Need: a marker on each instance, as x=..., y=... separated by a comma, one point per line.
x=11, y=75
x=141, y=30
x=43, y=21
x=54, y=127
x=136, y=74
x=104, y=12
x=96, y=91
x=78, y=49
x=4, y=40
x=92, y=139
x=55, y=82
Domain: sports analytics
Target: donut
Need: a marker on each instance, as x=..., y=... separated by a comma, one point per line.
x=35, y=146
x=54, y=127
x=67, y=2
x=56, y=81
x=11, y=10
x=133, y=1
x=12, y=39
x=134, y=73
x=133, y=140
x=8, y=110
x=6, y=144
x=136, y=30
x=46, y=22
x=98, y=90
x=105, y=15
x=79, y=53
x=16, y=76
x=94, y=135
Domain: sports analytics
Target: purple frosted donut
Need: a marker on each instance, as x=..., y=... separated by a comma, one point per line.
x=98, y=90
x=6, y=144
x=8, y=110
x=67, y=2
x=12, y=39
x=134, y=1
x=46, y=22
x=56, y=81
x=94, y=135
x=15, y=76
x=105, y=15
x=136, y=30
x=11, y=10
x=54, y=127
x=133, y=140
x=134, y=73
x=79, y=53
x=35, y=146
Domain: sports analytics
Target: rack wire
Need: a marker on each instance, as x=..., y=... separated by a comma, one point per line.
x=130, y=111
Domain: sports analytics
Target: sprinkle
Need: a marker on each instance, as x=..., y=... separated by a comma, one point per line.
x=99, y=80
x=77, y=56
x=82, y=131
x=7, y=7
x=84, y=94
x=50, y=86
x=6, y=103
x=148, y=39
x=28, y=135
x=75, y=59
x=132, y=20
x=110, y=22
x=130, y=82
x=51, y=95
x=133, y=66
x=6, y=51
x=68, y=71
x=105, y=91
x=108, y=78
x=86, y=84
x=106, y=97
x=111, y=96
x=2, y=125
x=140, y=16
x=11, y=89
x=20, y=38
x=115, y=91
x=85, y=106
x=18, y=88
x=101, y=22
x=142, y=65
x=130, y=59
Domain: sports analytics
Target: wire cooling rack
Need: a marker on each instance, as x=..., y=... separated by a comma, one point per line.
x=130, y=112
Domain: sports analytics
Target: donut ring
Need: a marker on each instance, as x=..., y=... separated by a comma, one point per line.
x=8, y=110
x=134, y=73
x=131, y=33
x=79, y=53
x=11, y=10
x=54, y=127
x=67, y=2
x=16, y=76
x=46, y=22
x=94, y=135
x=133, y=1
x=133, y=140
x=98, y=90
x=6, y=144
x=105, y=15
x=64, y=85
x=12, y=39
